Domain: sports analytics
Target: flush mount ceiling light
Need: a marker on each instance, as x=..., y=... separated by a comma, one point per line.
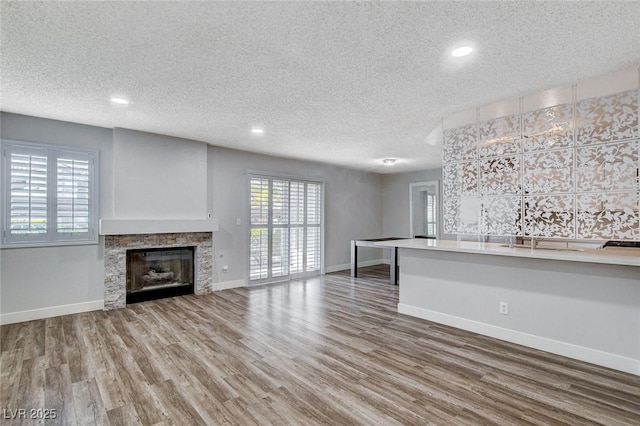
x=389, y=161
x=120, y=101
x=257, y=130
x=461, y=51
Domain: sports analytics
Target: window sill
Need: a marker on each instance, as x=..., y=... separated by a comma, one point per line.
x=49, y=244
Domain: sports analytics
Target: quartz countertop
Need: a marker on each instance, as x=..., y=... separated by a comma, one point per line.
x=609, y=255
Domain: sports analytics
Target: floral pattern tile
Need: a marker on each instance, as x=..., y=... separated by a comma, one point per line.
x=608, y=216
x=549, y=128
x=608, y=118
x=461, y=215
x=549, y=216
x=500, y=176
x=607, y=167
x=568, y=171
x=499, y=137
x=450, y=215
x=460, y=179
x=501, y=215
x=548, y=172
x=460, y=144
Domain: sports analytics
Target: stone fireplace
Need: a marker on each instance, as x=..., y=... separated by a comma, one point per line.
x=157, y=269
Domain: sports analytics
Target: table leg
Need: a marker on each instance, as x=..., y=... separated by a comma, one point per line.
x=393, y=266
x=354, y=259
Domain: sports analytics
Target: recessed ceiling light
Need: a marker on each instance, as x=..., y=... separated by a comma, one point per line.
x=119, y=101
x=257, y=130
x=389, y=161
x=462, y=51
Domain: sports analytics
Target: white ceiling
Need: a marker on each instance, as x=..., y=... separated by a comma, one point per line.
x=343, y=83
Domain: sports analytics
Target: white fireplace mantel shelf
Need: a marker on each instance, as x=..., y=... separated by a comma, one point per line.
x=156, y=226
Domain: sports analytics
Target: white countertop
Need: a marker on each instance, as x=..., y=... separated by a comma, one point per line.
x=610, y=255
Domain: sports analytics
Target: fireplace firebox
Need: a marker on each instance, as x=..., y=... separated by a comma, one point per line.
x=156, y=273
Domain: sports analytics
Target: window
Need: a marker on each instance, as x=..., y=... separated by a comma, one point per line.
x=423, y=211
x=285, y=228
x=49, y=195
x=430, y=205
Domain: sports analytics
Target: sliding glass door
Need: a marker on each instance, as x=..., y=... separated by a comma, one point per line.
x=285, y=228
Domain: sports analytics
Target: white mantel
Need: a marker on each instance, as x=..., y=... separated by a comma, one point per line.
x=156, y=226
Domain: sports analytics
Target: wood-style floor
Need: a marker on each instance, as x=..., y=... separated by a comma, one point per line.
x=329, y=350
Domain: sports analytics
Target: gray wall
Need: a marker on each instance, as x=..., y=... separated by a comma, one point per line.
x=353, y=206
x=205, y=179
x=395, y=195
x=37, y=278
x=158, y=177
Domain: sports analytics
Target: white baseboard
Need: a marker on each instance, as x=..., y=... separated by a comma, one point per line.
x=53, y=311
x=336, y=268
x=228, y=284
x=594, y=356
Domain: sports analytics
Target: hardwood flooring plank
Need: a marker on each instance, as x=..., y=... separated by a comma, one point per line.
x=54, y=342
x=31, y=388
x=58, y=395
x=75, y=348
x=179, y=408
x=124, y=415
x=10, y=372
x=324, y=350
x=88, y=403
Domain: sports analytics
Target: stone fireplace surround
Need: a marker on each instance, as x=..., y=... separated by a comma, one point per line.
x=115, y=254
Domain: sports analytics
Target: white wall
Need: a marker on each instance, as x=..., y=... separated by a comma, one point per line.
x=353, y=206
x=49, y=279
x=158, y=177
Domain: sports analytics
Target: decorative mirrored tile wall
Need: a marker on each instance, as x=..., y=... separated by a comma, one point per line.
x=567, y=171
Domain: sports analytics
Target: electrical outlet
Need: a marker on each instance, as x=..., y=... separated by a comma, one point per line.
x=504, y=308
x=225, y=269
x=238, y=221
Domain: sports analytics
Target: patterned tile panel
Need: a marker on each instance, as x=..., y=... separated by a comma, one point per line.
x=549, y=216
x=548, y=172
x=500, y=176
x=562, y=168
x=450, y=215
x=607, y=167
x=500, y=137
x=461, y=215
x=608, y=118
x=501, y=215
x=611, y=215
x=549, y=128
x=460, y=144
x=460, y=179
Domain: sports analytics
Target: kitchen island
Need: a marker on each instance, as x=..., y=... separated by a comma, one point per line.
x=583, y=304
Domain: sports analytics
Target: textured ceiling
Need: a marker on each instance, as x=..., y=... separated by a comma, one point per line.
x=343, y=83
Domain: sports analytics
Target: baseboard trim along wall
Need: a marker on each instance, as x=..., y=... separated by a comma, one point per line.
x=225, y=285
x=605, y=359
x=53, y=311
x=345, y=266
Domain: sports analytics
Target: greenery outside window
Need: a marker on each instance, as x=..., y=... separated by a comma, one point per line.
x=49, y=195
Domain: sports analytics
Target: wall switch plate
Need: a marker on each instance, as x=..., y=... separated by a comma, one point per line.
x=238, y=221
x=504, y=308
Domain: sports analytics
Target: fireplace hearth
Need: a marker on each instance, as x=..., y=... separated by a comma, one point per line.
x=115, y=262
x=155, y=273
